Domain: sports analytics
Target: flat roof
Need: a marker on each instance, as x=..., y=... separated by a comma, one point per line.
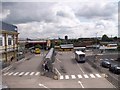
x=79, y=52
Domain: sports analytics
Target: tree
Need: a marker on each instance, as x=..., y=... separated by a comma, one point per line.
x=38, y=46
x=105, y=38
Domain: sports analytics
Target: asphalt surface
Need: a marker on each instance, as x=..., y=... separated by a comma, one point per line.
x=71, y=74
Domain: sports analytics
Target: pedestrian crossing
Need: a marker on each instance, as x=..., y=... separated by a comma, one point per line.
x=79, y=76
x=39, y=54
x=21, y=73
x=107, y=59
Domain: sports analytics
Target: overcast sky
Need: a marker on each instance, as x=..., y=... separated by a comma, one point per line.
x=57, y=19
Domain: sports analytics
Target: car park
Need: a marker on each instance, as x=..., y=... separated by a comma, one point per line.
x=115, y=68
x=105, y=63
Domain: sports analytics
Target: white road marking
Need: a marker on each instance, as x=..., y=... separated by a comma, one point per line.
x=66, y=77
x=32, y=73
x=21, y=73
x=73, y=76
x=86, y=76
x=106, y=59
x=58, y=59
x=41, y=85
x=61, y=77
x=10, y=73
x=98, y=75
x=79, y=76
x=15, y=73
x=80, y=68
x=101, y=59
x=26, y=73
x=37, y=73
x=112, y=59
x=58, y=71
x=81, y=84
x=92, y=76
x=6, y=73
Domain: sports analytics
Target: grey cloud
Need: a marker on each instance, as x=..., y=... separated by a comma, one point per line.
x=24, y=12
x=97, y=11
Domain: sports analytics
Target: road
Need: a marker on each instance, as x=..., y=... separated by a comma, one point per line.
x=72, y=74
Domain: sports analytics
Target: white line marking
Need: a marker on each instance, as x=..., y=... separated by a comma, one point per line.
x=79, y=76
x=81, y=84
x=66, y=77
x=92, y=76
x=58, y=59
x=106, y=59
x=98, y=75
x=41, y=85
x=37, y=73
x=26, y=73
x=80, y=68
x=15, y=73
x=5, y=74
x=101, y=59
x=73, y=76
x=61, y=77
x=10, y=73
x=21, y=73
x=86, y=76
x=32, y=73
x=58, y=71
x=112, y=59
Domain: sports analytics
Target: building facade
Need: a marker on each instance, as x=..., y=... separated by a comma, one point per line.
x=8, y=42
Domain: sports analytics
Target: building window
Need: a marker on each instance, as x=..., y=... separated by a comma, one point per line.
x=1, y=41
x=9, y=41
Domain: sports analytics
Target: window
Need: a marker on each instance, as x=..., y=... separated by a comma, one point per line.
x=1, y=41
x=9, y=41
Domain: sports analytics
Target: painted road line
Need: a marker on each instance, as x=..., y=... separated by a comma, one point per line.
x=101, y=59
x=81, y=84
x=80, y=68
x=66, y=77
x=86, y=76
x=98, y=75
x=41, y=85
x=26, y=73
x=58, y=59
x=15, y=73
x=6, y=73
x=106, y=59
x=21, y=73
x=61, y=77
x=112, y=59
x=32, y=73
x=92, y=76
x=58, y=71
x=10, y=73
x=79, y=76
x=37, y=73
x=73, y=76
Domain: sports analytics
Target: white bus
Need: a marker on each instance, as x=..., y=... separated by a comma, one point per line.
x=80, y=56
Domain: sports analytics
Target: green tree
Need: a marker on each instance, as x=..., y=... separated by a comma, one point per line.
x=38, y=46
x=105, y=38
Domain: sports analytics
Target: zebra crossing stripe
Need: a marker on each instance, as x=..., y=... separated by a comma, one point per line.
x=92, y=76
x=106, y=59
x=86, y=76
x=112, y=59
x=21, y=73
x=98, y=75
x=15, y=73
x=101, y=59
x=10, y=73
x=37, y=73
x=61, y=77
x=6, y=73
x=73, y=76
x=32, y=73
x=79, y=76
x=66, y=77
x=26, y=73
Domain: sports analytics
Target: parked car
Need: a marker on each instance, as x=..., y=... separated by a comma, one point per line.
x=105, y=63
x=115, y=68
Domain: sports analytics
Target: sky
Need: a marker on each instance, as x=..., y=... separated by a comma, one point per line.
x=55, y=19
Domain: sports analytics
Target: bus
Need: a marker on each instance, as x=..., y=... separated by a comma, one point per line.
x=79, y=56
x=37, y=51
